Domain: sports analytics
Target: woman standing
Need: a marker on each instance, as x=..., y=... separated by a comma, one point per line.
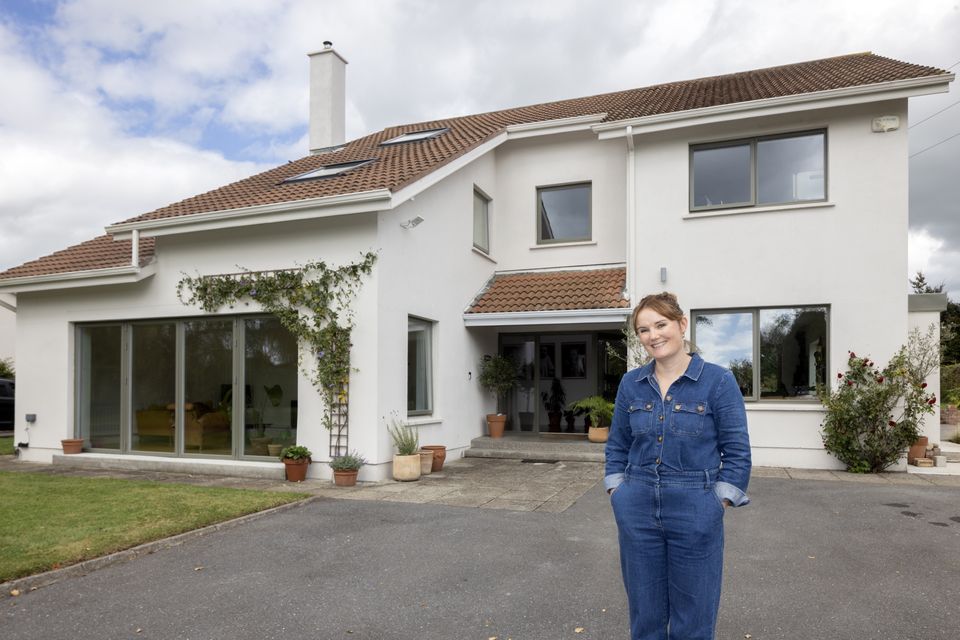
x=678, y=455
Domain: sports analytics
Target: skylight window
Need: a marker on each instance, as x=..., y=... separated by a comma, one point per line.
x=329, y=170
x=414, y=136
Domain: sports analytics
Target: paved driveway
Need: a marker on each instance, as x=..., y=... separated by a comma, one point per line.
x=809, y=559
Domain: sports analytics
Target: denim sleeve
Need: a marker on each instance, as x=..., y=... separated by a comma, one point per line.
x=733, y=441
x=618, y=442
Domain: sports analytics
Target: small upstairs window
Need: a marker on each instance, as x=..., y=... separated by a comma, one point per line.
x=329, y=170
x=563, y=213
x=414, y=136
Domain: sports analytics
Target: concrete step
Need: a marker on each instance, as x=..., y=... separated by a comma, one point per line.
x=191, y=466
x=533, y=447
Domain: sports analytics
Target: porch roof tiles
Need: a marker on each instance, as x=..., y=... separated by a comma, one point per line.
x=553, y=291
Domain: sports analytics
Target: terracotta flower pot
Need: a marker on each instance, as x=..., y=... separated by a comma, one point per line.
x=598, y=434
x=439, y=455
x=406, y=468
x=72, y=445
x=345, y=478
x=495, y=424
x=918, y=449
x=426, y=461
x=296, y=469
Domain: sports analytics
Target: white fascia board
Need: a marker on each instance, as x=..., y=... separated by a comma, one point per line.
x=775, y=106
x=550, y=127
x=564, y=317
x=261, y=214
x=416, y=188
x=75, y=279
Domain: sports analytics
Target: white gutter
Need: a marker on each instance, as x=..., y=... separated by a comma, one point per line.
x=783, y=104
x=135, y=249
x=526, y=318
x=74, y=279
x=550, y=127
x=275, y=212
x=631, y=216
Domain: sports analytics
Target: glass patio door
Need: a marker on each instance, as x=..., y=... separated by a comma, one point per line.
x=522, y=402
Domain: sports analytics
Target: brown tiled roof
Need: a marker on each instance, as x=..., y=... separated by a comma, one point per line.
x=398, y=165
x=553, y=291
x=103, y=252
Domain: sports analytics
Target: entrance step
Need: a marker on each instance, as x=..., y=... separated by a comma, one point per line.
x=534, y=447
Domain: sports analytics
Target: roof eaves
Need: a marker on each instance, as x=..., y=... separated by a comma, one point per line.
x=74, y=279
x=830, y=97
x=556, y=317
x=326, y=206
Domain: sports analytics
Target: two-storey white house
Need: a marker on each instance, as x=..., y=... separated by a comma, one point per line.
x=526, y=232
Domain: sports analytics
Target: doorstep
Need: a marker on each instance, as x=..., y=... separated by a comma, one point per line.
x=531, y=446
x=198, y=466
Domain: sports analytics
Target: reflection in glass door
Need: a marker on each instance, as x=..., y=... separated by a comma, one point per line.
x=521, y=407
x=208, y=376
x=153, y=387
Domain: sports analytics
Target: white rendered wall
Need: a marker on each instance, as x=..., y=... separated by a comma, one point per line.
x=432, y=272
x=850, y=254
x=525, y=164
x=8, y=327
x=45, y=379
x=922, y=321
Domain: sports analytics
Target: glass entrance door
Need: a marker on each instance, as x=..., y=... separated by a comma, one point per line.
x=521, y=403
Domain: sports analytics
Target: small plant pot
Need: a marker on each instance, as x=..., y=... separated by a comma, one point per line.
x=439, y=455
x=346, y=478
x=918, y=449
x=296, y=470
x=72, y=445
x=598, y=434
x=426, y=462
x=274, y=449
x=406, y=468
x=495, y=424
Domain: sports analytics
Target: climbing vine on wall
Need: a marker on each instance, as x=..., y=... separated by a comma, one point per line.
x=311, y=301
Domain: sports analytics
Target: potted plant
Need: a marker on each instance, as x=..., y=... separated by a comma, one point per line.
x=346, y=467
x=295, y=459
x=72, y=445
x=439, y=455
x=498, y=376
x=406, y=462
x=600, y=412
x=554, y=402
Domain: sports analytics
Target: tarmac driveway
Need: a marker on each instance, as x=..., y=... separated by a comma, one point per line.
x=808, y=559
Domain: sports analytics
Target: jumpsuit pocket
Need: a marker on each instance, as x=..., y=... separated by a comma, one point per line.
x=687, y=418
x=716, y=498
x=641, y=417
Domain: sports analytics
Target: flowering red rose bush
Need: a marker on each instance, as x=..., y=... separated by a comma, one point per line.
x=874, y=414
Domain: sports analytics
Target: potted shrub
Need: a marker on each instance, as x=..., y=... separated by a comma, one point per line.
x=346, y=467
x=406, y=462
x=600, y=413
x=554, y=402
x=295, y=459
x=498, y=376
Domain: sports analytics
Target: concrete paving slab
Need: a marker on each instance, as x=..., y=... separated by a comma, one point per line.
x=511, y=505
x=769, y=472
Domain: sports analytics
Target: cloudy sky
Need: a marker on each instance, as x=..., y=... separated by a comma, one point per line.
x=111, y=108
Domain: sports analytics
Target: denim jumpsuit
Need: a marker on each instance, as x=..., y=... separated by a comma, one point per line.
x=672, y=460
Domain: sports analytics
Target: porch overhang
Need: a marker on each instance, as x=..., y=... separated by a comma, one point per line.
x=613, y=317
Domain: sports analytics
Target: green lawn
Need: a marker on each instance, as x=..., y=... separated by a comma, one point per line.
x=51, y=521
x=6, y=446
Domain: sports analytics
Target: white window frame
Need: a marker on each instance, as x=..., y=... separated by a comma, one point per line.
x=559, y=187
x=752, y=143
x=478, y=194
x=416, y=324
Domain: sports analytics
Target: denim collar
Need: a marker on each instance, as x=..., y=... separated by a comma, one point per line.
x=694, y=369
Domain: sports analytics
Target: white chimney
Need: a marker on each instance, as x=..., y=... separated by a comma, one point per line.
x=328, y=95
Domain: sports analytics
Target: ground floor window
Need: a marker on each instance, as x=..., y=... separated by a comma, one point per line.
x=419, y=367
x=206, y=386
x=774, y=353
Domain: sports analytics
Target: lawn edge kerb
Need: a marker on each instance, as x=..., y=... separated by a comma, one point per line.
x=27, y=584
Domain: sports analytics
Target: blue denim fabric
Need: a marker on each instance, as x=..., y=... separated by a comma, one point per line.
x=670, y=527
x=700, y=424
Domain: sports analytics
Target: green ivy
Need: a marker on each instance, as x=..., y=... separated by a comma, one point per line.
x=312, y=302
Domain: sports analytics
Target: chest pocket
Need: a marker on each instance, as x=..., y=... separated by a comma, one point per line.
x=641, y=417
x=686, y=418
